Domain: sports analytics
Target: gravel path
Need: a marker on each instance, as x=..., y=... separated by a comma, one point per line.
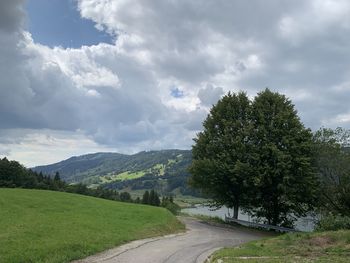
x=199, y=241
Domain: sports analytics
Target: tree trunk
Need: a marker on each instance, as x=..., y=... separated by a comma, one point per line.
x=275, y=221
x=235, y=211
x=276, y=214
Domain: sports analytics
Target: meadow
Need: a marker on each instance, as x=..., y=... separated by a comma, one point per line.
x=47, y=226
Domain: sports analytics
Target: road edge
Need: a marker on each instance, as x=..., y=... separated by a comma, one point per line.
x=116, y=251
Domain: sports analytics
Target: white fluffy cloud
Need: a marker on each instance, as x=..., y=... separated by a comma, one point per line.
x=171, y=60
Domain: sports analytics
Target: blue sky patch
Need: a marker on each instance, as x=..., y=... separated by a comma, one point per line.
x=176, y=92
x=58, y=23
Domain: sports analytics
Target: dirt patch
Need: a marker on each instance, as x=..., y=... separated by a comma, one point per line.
x=321, y=241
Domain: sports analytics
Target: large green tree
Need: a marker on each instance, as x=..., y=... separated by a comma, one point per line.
x=332, y=160
x=256, y=155
x=220, y=165
x=286, y=182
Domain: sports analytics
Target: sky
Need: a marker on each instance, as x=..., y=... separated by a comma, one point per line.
x=66, y=27
x=82, y=76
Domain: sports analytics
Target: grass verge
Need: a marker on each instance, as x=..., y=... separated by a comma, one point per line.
x=207, y=219
x=293, y=247
x=45, y=226
x=187, y=201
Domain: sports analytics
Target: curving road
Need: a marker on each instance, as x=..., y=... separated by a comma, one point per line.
x=195, y=245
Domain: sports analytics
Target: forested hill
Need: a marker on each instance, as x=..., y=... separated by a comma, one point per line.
x=116, y=170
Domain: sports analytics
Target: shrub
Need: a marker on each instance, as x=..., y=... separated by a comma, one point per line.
x=168, y=203
x=172, y=207
x=333, y=222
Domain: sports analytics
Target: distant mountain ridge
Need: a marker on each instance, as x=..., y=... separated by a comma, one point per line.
x=115, y=170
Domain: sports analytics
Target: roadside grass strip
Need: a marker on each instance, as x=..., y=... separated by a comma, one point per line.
x=293, y=247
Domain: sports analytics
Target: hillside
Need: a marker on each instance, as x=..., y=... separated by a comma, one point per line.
x=165, y=171
x=46, y=226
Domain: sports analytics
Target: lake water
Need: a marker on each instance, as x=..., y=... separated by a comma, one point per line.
x=306, y=224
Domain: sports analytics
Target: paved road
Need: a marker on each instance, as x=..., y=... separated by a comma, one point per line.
x=195, y=245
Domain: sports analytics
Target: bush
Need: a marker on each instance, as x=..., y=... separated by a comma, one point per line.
x=168, y=203
x=173, y=208
x=333, y=222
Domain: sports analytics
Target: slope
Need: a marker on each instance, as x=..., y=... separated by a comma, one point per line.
x=45, y=226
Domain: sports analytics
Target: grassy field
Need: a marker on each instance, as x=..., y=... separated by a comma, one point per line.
x=294, y=247
x=45, y=226
x=128, y=175
x=185, y=201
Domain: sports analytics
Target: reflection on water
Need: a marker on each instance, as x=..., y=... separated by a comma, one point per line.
x=303, y=224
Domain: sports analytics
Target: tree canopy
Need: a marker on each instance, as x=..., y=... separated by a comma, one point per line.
x=255, y=155
x=286, y=182
x=332, y=160
x=221, y=152
x=151, y=198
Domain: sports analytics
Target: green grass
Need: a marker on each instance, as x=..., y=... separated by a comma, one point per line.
x=45, y=226
x=158, y=169
x=208, y=219
x=186, y=201
x=130, y=175
x=95, y=181
x=127, y=175
x=118, y=177
x=293, y=247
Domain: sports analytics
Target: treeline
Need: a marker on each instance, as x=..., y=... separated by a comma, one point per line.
x=152, y=198
x=331, y=160
x=15, y=175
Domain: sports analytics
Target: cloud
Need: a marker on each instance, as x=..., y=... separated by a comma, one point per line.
x=11, y=15
x=298, y=48
x=210, y=95
x=170, y=61
x=34, y=147
x=319, y=18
